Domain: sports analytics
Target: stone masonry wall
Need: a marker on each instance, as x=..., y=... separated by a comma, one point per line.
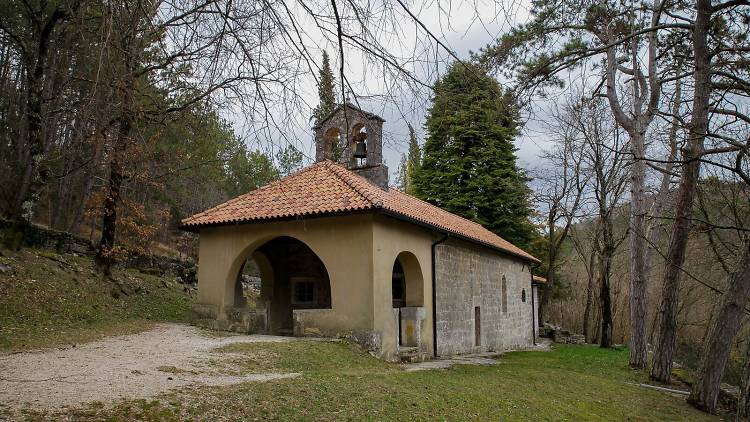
x=345, y=120
x=348, y=120
x=468, y=276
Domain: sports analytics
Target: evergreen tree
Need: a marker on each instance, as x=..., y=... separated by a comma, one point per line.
x=248, y=170
x=409, y=164
x=401, y=177
x=326, y=91
x=469, y=163
x=290, y=160
x=413, y=161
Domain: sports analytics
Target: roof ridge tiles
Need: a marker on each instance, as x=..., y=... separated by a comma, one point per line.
x=441, y=209
x=345, y=176
x=246, y=194
x=328, y=187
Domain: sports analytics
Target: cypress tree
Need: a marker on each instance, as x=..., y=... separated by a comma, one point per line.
x=410, y=162
x=469, y=164
x=326, y=91
x=413, y=161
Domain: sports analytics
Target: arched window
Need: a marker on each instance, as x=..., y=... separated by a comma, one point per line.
x=358, y=144
x=505, y=294
x=407, y=285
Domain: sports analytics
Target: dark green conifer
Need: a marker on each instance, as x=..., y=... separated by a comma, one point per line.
x=468, y=163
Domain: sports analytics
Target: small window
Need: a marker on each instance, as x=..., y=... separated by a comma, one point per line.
x=523, y=295
x=477, y=326
x=505, y=295
x=303, y=292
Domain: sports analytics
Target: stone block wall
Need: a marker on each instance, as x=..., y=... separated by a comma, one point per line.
x=239, y=320
x=58, y=241
x=346, y=119
x=377, y=175
x=470, y=276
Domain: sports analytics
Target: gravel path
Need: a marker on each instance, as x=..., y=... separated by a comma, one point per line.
x=120, y=367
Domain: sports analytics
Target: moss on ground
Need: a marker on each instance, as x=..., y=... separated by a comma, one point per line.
x=49, y=299
x=341, y=382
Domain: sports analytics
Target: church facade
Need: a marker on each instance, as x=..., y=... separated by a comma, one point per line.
x=339, y=253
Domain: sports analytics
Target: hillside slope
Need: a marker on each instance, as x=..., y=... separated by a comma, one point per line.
x=49, y=299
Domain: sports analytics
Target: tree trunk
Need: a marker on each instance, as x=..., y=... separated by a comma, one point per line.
x=719, y=340
x=33, y=174
x=104, y=258
x=606, y=301
x=544, y=304
x=638, y=271
x=605, y=297
x=587, y=332
x=587, y=309
x=743, y=406
x=657, y=209
x=547, y=289
x=667, y=337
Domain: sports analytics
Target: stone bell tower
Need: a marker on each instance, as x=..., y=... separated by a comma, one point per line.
x=354, y=138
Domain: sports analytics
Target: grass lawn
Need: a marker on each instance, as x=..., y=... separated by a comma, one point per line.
x=48, y=299
x=340, y=382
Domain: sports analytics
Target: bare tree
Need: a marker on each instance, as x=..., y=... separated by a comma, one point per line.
x=33, y=28
x=623, y=37
x=603, y=161
x=718, y=80
x=560, y=192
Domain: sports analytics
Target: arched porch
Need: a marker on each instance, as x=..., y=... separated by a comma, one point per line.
x=407, y=296
x=280, y=276
x=315, y=277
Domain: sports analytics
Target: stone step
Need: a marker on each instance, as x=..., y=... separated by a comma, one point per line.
x=412, y=354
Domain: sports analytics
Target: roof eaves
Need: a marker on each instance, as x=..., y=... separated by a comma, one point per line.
x=195, y=228
x=456, y=234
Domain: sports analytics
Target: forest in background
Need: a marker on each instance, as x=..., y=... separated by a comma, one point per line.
x=111, y=126
x=108, y=127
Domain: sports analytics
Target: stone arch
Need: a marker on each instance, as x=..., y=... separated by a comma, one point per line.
x=332, y=142
x=359, y=129
x=358, y=133
x=407, y=275
x=255, y=266
x=292, y=277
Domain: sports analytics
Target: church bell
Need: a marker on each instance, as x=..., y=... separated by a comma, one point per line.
x=360, y=149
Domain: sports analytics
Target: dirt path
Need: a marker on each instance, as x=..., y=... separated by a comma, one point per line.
x=132, y=366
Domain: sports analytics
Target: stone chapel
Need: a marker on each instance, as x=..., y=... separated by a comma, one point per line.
x=339, y=253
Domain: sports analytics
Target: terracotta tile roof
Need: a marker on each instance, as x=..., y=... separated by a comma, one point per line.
x=329, y=188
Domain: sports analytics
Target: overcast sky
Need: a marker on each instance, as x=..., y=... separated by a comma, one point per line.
x=462, y=26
